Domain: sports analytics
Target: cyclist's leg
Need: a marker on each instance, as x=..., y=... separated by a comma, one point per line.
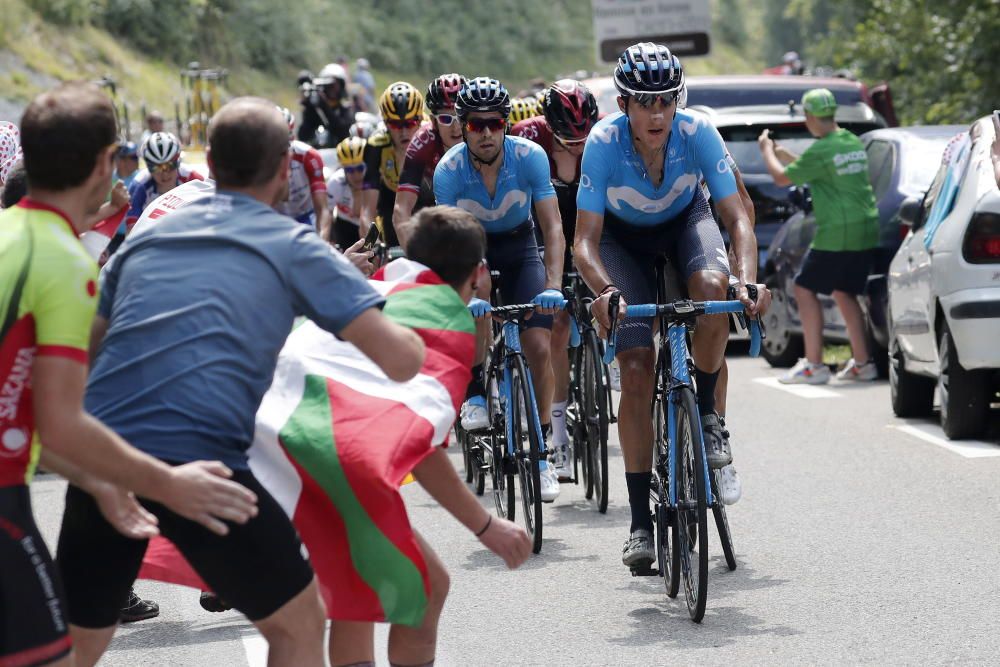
x=351, y=643
x=417, y=646
x=634, y=275
x=473, y=413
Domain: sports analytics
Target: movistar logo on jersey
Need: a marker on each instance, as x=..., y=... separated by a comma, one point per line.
x=640, y=202
x=483, y=214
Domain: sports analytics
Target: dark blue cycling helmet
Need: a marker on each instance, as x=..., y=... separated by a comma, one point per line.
x=484, y=95
x=648, y=68
x=128, y=149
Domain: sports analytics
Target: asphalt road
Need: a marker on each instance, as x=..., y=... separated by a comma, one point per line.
x=860, y=539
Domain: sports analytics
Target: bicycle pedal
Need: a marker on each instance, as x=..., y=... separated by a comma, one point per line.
x=646, y=571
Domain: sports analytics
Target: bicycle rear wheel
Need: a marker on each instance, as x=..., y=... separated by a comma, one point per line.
x=501, y=468
x=576, y=421
x=596, y=418
x=527, y=451
x=722, y=521
x=692, y=512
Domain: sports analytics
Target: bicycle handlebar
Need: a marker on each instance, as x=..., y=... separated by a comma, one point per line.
x=515, y=311
x=679, y=310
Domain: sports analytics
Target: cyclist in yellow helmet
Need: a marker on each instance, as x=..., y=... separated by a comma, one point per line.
x=402, y=109
x=522, y=108
x=343, y=191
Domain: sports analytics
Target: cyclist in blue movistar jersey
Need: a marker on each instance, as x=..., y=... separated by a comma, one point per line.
x=497, y=177
x=640, y=198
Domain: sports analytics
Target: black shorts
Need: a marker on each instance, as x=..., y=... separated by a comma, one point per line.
x=522, y=274
x=691, y=242
x=827, y=271
x=384, y=210
x=33, y=625
x=257, y=568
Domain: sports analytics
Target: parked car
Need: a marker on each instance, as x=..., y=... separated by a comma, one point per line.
x=944, y=289
x=901, y=163
x=752, y=90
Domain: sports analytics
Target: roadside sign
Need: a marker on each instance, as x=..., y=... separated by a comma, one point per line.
x=682, y=25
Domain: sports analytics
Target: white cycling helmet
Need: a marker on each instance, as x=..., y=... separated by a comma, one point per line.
x=160, y=148
x=330, y=73
x=362, y=129
x=290, y=119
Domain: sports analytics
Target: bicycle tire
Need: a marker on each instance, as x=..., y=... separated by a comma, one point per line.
x=463, y=439
x=500, y=470
x=527, y=463
x=670, y=565
x=692, y=511
x=596, y=413
x=722, y=522
x=576, y=423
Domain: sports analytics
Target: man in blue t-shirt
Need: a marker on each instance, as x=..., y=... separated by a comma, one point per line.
x=640, y=198
x=192, y=315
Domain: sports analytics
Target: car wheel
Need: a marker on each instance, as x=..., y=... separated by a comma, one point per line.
x=878, y=354
x=912, y=395
x=963, y=394
x=781, y=348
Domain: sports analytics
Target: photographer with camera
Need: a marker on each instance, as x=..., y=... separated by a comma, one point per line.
x=324, y=104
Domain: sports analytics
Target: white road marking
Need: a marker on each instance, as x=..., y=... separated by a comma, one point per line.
x=800, y=390
x=255, y=646
x=932, y=433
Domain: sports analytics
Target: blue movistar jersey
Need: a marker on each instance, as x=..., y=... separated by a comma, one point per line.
x=613, y=177
x=523, y=178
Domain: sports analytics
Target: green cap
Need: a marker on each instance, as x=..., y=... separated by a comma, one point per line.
x=819, y=102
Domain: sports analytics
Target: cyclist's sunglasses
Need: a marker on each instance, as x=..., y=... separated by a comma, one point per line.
x=355, y=169
x=646, y=100
x=446, y=118
x=403, y=124
x=483, y=124
x=164, y=168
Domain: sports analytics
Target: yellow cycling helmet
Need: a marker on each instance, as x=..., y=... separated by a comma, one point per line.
x=351, y=151
x=522, y=108
x=401, y=101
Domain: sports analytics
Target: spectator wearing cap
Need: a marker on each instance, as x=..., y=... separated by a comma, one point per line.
x=839, y=259
x=126, y=163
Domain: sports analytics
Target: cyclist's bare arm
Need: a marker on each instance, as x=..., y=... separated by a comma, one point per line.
x=369, y=204
x=324, y=218
x=587, y=256
x=402, y=211
x=555, y=241
x=744, y=243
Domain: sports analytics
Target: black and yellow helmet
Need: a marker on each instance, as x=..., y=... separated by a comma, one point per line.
x=351, y=151
x=522, y=108
x=401, y=101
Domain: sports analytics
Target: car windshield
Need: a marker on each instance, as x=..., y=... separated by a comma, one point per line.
x=733, y=96
x=742, y=144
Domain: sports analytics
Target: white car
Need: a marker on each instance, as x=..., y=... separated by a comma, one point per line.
x=944, y=289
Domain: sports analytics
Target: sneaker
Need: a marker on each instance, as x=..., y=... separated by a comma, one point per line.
x=716, y=444
x=209, y=601
x=474, y=414
x=730, y=486
x=561, y=458
x=806, y=373
x=615, y=376
x=137, y=609
x=637, y=552
x=855, y=372
x=549, y=483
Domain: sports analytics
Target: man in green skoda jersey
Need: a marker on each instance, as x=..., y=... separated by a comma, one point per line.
x=839, y=259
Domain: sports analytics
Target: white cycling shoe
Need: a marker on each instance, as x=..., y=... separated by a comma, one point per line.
x=561, y=458
x=730, y=486
x=474, y=414
x=549, y=483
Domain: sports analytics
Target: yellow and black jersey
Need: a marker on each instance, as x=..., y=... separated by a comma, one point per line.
x=382, y=168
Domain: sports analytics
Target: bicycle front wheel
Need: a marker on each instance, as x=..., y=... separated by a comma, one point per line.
x=528, y=450
x=722, y=521
x=501, y=468
x=595, y=406
x=692, y=511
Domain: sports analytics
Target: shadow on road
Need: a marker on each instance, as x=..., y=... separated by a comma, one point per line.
x=162, y=634
x=665, y=622
x=553, y=551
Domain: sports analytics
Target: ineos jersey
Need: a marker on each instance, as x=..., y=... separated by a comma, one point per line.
x=614, y=179
x=422, y=156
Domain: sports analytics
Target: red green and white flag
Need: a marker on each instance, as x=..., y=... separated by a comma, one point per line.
x=335, y=438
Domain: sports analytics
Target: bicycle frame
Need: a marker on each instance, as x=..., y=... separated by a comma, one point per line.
x=511, y=337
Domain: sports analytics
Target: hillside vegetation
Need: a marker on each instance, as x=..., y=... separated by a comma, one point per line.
x=939, y=57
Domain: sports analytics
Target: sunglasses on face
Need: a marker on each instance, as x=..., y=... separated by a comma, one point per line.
x=164, y=168
x=356, y=169
x=571, y=142
x=483, y=124
x=647, y=100
x=402, y=124
x=446, y=118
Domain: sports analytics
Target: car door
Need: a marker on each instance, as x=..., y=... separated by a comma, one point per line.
x=909, y=284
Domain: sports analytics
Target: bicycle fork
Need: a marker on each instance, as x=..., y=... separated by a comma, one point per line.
x=512, y=341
